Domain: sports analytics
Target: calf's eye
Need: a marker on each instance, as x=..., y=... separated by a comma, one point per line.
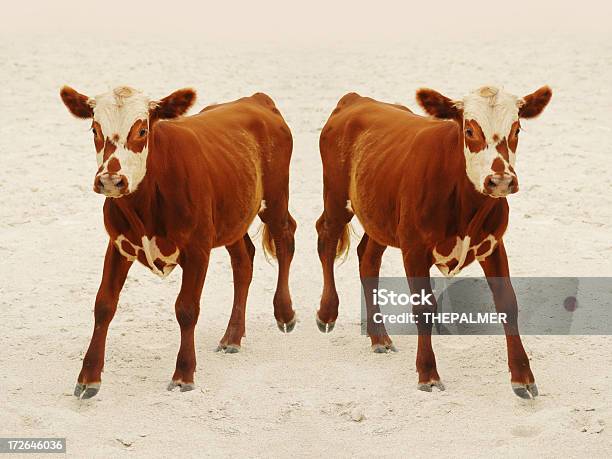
x=142, y=132
x=469, y=132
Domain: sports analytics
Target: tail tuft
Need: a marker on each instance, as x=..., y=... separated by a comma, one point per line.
x=344, y=243
x=268, y=242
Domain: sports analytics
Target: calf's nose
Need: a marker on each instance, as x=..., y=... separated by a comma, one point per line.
x=501, y=184
x=110, y=182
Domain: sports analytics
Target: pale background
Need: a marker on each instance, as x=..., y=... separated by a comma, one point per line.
x=304, y=394
x=304, y=21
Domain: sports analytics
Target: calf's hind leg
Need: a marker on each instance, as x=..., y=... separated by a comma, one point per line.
x=242, y=253
x=279, y=230
x=370, y=255
x=332, y=241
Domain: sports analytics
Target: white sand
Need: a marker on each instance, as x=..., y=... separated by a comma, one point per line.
x=303, y=394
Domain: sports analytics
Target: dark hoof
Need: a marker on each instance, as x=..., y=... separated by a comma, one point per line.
x=383, y=348
x=325, y=327
x=426, y=387
x=85, y=391
x=228, y=348
x=289, y=326
x=185, y=387
x=526, y=391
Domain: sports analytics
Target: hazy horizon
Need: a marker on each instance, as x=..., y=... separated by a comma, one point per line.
x=314, y=21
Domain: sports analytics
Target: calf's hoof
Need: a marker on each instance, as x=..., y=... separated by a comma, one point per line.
x=325, y=327
x=228, y=348
x=185, y=387
x=84, y=391
x=427, y=386
x=383, y=348
x=287, y=327
x=526, y=391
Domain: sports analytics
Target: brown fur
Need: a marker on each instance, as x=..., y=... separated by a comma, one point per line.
x=514, y=136
x=99, y=140
x=536, y=102
x=437, y=105
x=476, y=142
x=113, y=166
x=77, y=103
x=502, y=149
x=136, y=142
x=109, y=149
x=174, y=105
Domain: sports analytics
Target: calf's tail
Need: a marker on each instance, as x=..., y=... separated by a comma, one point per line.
x=268, y=242
x=344, y=243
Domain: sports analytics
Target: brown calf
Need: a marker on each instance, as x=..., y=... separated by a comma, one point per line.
x=177, y=187
x=435, y=188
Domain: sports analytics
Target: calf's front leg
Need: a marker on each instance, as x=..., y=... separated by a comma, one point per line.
x=187, y=308
x=497, y=271
x=242, y=253
x=417, y=264
x=116, y=268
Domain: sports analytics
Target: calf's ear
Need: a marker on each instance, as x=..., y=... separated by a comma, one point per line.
x=173, y=105
x=438, y=105
x=532, y=105
x=78, y=104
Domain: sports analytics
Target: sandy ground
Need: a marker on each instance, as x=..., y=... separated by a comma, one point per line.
x=303, y=394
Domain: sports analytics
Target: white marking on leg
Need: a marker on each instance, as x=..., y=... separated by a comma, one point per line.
x=465, y=247
x=493, y=242
x=146, y=248
x=459, y=253
x=442, y=261
x=118, y=243
x=152, y=253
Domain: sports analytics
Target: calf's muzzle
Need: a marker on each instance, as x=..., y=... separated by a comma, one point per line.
x=111, y=184
x=499, y=185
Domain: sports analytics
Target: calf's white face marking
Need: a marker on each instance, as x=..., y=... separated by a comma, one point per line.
x=490, y=125
x=122, y=117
